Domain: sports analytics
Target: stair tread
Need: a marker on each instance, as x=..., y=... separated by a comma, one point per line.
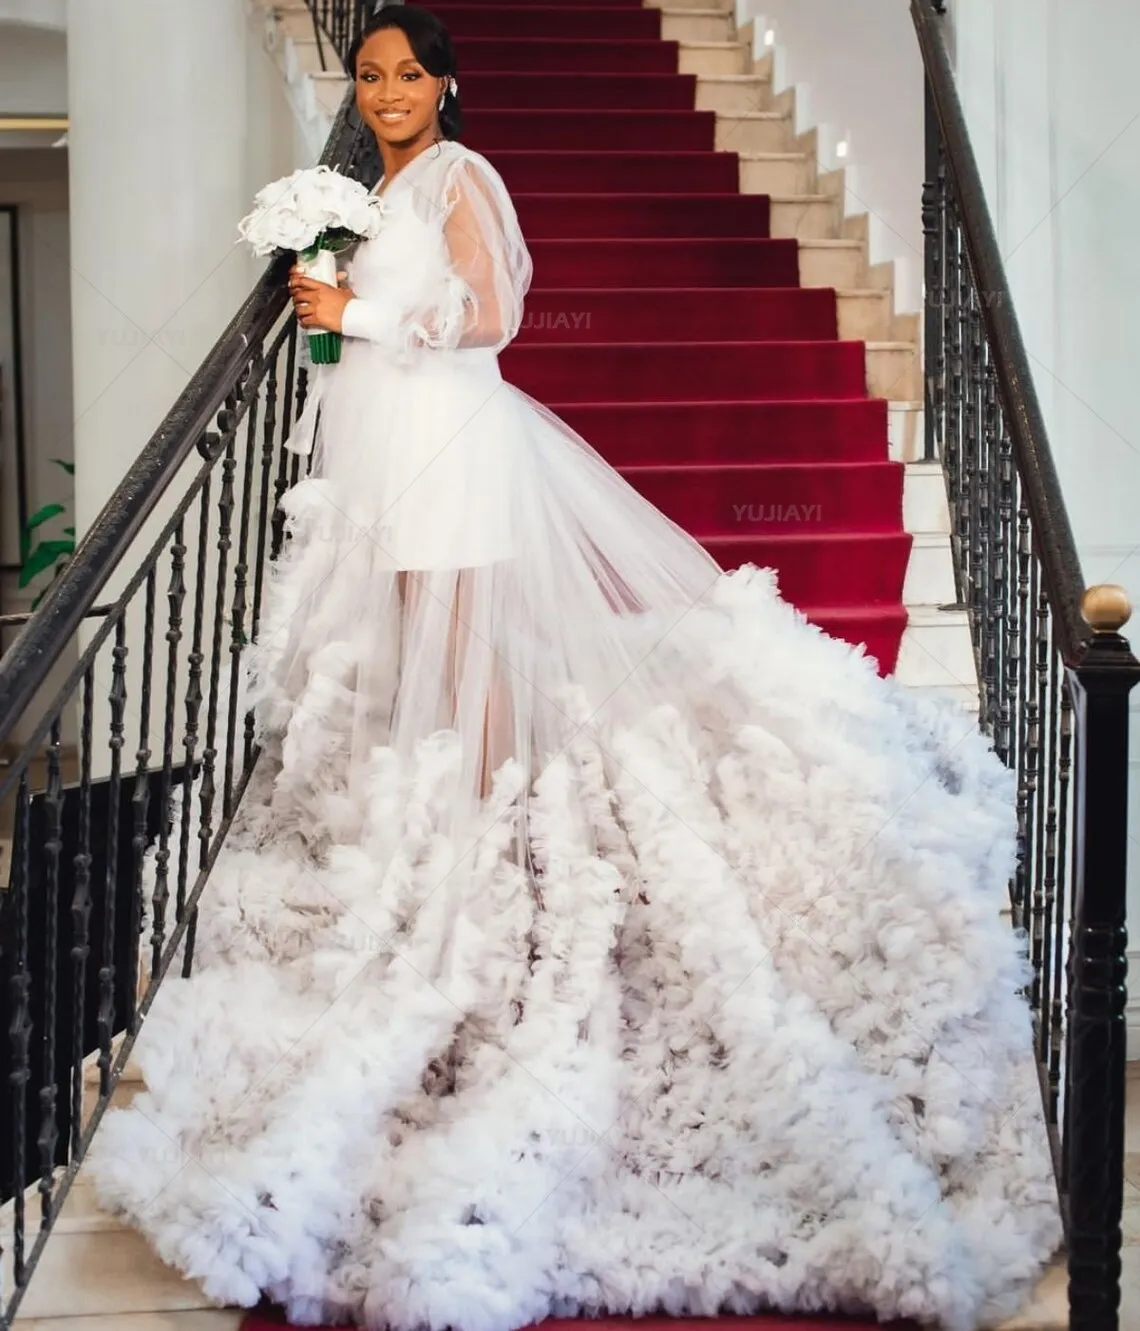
x=739, y=468
x=856, y=613
x=750, y=292
x=185, y=1319
x=674, y=403
x=842, y=536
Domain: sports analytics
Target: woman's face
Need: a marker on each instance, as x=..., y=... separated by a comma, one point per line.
x=397, y=98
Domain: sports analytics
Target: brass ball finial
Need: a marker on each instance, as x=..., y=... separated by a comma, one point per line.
x=1106, y=607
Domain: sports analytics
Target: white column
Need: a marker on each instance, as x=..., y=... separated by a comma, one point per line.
x=157, y=100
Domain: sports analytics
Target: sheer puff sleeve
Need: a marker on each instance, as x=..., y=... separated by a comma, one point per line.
x=475, y=284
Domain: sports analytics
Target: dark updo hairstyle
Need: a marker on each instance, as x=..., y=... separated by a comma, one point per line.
x=431, y=45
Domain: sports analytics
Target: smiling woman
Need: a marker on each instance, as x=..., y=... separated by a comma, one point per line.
x=405, y=83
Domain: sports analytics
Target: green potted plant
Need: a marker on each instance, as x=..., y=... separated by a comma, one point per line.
x=50, y=552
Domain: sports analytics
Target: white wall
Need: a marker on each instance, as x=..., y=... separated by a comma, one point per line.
x=35, y=13
x=1053, y=103
x=857, y=74
x=33, y=71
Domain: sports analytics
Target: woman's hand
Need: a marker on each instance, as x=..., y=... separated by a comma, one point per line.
x=316, y=303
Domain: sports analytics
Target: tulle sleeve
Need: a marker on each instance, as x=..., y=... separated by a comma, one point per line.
x=477, y=300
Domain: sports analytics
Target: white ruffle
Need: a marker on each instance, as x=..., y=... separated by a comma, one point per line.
x=751, y=1038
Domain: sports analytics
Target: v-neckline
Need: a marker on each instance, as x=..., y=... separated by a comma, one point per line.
x=384, y=184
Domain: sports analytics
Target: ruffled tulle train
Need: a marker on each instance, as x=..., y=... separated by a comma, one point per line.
x=706, y=1007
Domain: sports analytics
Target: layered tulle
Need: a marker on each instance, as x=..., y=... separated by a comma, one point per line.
x=596, y=935
x=717, y=1014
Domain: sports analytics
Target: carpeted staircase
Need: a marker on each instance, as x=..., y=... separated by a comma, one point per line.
x=666, y=325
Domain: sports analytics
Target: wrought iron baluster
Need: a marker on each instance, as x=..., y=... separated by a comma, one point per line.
x=1037, y=706
x=53, y=849
x=193, y=700
x=932, y=214
x=1006, y=665
x=20, y=1023
x=238, y=640
x=264, y=510
x=140, y=807
x=1029, y=777
x=105, y=1021
x=1022, y=645
x=290, y=387
x=81, y=912
x=302, y=398
x=1051, y=712
x=952, y=441
x=207, y=791
x=176, y=596
x=974, y=518
x=225, y=505
x=1064, y=887
x=989, y=545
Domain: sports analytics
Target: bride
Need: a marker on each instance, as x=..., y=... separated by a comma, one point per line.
x=596, y=935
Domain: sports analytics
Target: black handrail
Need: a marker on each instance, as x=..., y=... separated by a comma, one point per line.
x=1060, y=563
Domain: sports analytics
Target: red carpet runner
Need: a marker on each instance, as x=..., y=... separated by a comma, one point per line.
x=672, y=333
x=273, y=1321
x=665, y=325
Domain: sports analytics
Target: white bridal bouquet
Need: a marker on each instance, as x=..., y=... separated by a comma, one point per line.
x=317, y=212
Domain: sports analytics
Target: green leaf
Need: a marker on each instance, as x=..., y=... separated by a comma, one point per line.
x=43, y=557
x=69, y=531
x=42, y=514
x=68, y=467
x=337, y=238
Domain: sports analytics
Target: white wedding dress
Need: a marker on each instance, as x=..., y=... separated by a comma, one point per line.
x=596, y=934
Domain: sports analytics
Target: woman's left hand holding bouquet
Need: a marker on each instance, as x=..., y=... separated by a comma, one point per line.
x=316, y=213
x=317, y=304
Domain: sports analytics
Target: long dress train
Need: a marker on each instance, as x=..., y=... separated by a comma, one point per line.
x=596, y=934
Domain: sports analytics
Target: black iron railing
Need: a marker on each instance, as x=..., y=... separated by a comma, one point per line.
x=1054, y=679
x=336, y=24
x=123, y=773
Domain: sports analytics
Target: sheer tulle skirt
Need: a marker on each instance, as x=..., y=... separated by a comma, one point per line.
x=705, y=1006
x=464, y=562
